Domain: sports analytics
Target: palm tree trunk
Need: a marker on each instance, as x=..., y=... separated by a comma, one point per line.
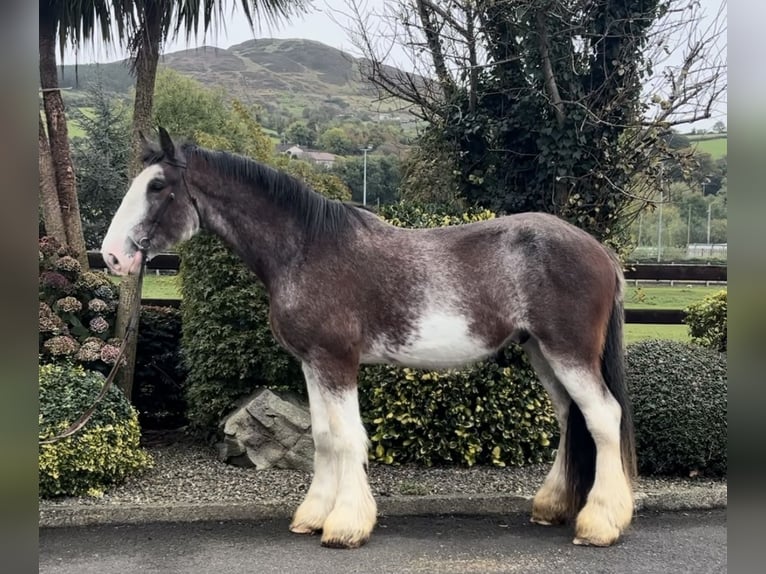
x=147, y=58
x=49, y=199
x=58, y=138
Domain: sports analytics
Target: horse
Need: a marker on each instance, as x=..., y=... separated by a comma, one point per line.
x=347, y=288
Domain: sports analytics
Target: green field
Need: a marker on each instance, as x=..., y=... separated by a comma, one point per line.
x=666, y=297
x=717, y=147
x=644, y=297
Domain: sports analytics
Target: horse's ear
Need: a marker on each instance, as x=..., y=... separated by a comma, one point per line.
x=167, y=145
x=145, y=143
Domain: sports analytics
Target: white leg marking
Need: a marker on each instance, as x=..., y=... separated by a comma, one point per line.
x=320, y=498
x=351, y=521
x=550, y=505
x=609, y=507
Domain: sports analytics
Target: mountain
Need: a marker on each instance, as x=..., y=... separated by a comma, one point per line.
x=291, y=74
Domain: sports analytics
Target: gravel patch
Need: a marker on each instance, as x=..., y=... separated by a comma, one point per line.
x=189, y=473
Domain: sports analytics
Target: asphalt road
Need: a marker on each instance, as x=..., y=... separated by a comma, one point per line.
x=674, y=543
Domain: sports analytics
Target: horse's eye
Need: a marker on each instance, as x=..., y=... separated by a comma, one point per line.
x=156, y=185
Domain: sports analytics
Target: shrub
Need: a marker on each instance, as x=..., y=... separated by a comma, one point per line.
x=104, y=452
x=160, y=376
x=404, y=214
x=483, y=414
x=679, y=394
x=77, y=311
x=707, y=321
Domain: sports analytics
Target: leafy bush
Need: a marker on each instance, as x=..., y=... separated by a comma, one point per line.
x=707, y=321
x=104, y=452
x=77, y=311
x=679, y=394
x=483, y=414
x=404, y=214
x=160, y=375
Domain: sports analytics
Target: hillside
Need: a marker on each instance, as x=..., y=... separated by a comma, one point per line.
x=289, y=74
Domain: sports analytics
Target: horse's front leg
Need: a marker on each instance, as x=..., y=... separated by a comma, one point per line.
x=320, y=498
x=354, y=513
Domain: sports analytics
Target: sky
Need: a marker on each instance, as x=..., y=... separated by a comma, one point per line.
x=326, y=22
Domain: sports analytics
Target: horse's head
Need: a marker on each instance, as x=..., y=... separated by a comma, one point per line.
x=156, y=213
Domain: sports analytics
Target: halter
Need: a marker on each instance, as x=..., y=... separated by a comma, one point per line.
x=145, y=242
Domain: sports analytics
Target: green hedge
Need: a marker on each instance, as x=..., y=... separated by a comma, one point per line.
x=483, y=414
x=104, y=452
x=679, y=395
x=707, y=321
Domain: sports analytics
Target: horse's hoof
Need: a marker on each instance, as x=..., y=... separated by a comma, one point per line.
x=301, y=529
x=592, y=542
x=345, y=544
x=547, y=519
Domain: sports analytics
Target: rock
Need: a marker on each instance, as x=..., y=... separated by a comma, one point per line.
x=267, y=431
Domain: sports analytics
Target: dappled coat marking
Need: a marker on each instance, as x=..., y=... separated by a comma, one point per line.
x=347, y=288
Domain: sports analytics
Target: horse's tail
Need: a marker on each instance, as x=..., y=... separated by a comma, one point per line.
x=580, y=448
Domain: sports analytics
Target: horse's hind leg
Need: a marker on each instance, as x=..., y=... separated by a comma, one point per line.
x=352, y=518
x=320, y=498
x=551, y=504
x=608, y=509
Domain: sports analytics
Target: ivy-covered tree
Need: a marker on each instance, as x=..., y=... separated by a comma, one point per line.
x=552, y=105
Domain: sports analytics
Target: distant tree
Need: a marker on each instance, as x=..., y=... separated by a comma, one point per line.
x=383, y=178
x=719, y=127
x=300, y=133
x=101, y=160
x=189, y=109
x=336, y=141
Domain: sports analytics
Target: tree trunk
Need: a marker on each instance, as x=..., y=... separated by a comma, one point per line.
x=59, y=141
x=49, y=199
x=147, y=58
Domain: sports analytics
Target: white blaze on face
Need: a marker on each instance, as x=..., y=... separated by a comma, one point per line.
x=118, y=248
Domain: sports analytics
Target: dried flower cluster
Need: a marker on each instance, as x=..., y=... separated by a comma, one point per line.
x=76, y=310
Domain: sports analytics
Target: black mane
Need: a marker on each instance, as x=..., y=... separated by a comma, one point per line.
x=318, y=215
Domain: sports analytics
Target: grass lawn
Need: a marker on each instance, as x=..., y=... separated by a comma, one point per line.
x=158, y=286
x=647, y=296
x=635, y=332
x=717, y=148
x=666, y=297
